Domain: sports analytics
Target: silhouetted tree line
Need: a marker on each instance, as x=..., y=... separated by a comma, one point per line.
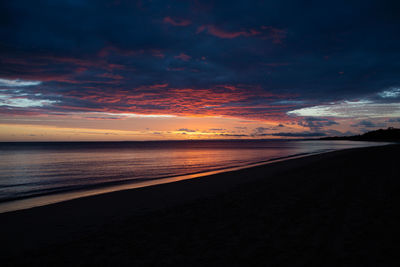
x=389, y=134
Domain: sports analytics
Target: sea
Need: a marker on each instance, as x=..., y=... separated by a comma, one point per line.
x=29, y=170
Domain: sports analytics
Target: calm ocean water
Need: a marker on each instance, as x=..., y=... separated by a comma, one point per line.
x=32, y=169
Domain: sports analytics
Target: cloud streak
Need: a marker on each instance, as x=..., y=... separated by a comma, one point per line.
x=22, y=102
x=264, y=32
x=348, y=109
x=218, y=32
x=391, y=93
x=177, y=22
x=17, y=83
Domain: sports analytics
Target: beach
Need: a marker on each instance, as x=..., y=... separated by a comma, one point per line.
x=333, y=209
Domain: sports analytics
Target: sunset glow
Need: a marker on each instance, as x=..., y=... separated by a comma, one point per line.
x=151, y=70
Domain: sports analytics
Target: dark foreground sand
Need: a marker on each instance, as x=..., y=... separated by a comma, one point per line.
x=336, y=209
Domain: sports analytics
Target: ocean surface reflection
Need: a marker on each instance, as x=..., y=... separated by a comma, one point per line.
x=32, y=169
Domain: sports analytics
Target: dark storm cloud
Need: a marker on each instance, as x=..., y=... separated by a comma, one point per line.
x=186, y=130
x=299, y=134
x=181, y=57
x=368, y=124
x=316, y=123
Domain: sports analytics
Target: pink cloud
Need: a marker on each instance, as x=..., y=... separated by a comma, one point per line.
x=111, y=76
x=177, y=22
x=222, y=100
x=160, y=99
x=106, y=51
x=83, y=62
x=49, y=68
x=183, y=56
x=215, y=31
x=277, y=35
x=161, y=85
x=157, y=53
x=265, y=32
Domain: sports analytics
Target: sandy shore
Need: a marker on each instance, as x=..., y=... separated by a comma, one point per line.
x=334, y=209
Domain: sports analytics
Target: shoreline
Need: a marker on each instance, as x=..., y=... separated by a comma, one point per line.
x=39, y=200
x=322, y=210
x=62, y=196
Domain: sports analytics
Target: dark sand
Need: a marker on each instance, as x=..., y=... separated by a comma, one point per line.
x=336, y=209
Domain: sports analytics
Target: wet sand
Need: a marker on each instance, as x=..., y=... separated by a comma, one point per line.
x=335, y=209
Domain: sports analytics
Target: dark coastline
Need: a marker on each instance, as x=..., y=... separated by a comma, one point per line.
x=333, y=209
x=382, y=135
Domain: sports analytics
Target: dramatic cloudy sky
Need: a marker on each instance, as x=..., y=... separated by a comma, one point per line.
x=142, y=70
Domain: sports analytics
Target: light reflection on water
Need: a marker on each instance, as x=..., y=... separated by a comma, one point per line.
x=35, y=169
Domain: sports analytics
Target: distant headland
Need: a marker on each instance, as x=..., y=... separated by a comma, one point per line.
x=388, y=135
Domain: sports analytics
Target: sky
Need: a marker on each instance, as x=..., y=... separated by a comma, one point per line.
x=93, y=70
